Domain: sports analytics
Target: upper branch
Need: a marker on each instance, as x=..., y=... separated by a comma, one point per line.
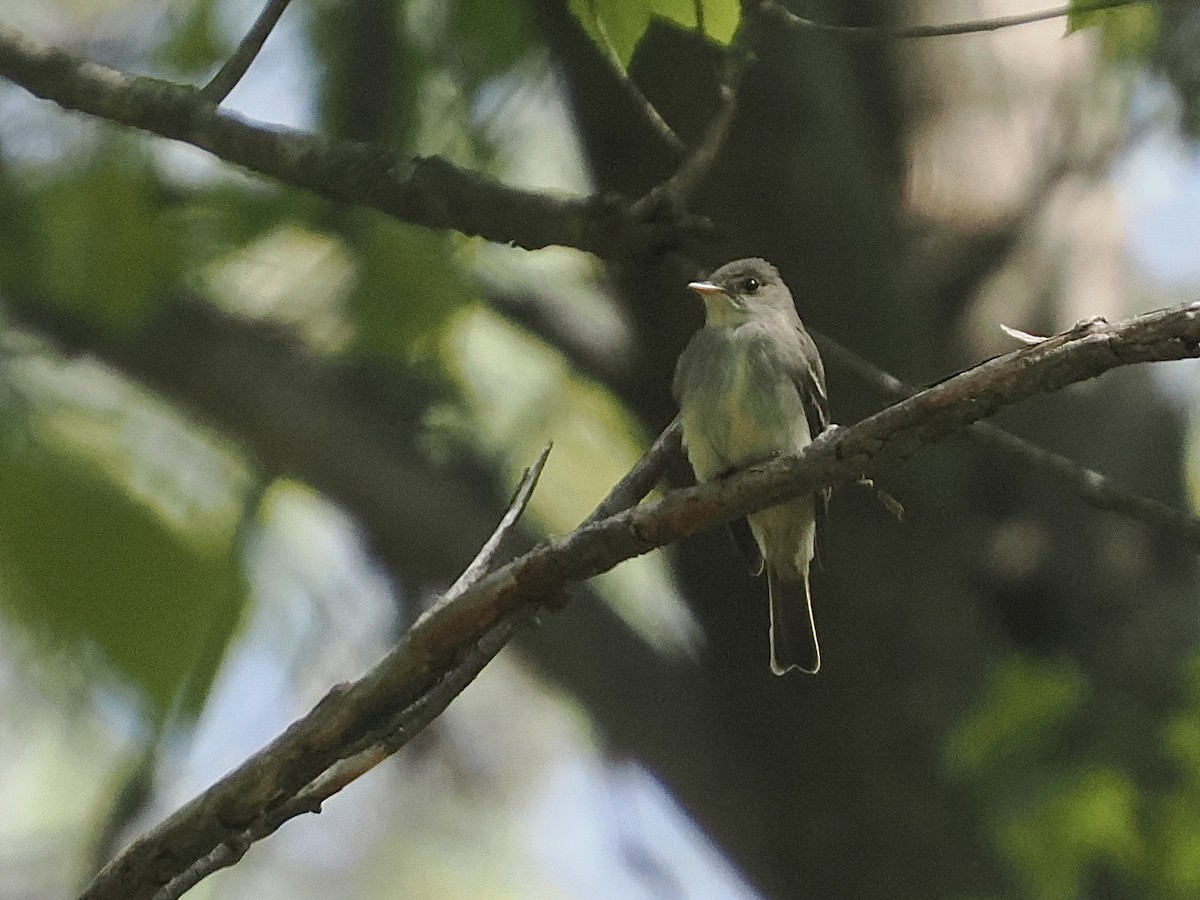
x=430, y=652
x=974, y=26
x=424, y=191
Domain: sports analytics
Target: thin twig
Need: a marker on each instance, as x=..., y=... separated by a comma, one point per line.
x=674, y=193
x=975, y=26
x=408, y=723
x=1090, y=486
x=657, y=123
x=1095, y=488
x=239, y=62
x=486, y=556
x=641, y=479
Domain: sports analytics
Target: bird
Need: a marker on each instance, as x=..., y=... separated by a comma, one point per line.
x=751, y=386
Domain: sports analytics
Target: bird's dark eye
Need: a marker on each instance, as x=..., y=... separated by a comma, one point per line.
x=750, y=285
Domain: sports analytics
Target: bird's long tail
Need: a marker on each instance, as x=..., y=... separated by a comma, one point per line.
x=793, y=628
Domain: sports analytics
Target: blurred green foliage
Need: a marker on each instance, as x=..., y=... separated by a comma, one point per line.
x=1026, y=709
x=410, y=285
x=103, y=545
x=485, y=45
x=84, y=564
x=194, y=46
x=1127, y=33
x=1174, y=843
x=99, y=550
x=1086, y=822
x=1065, y=816
x=99, y=241
x=1162, y=38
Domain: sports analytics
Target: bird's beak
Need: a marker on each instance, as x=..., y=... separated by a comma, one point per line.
x=717, y=301
x=704, y=288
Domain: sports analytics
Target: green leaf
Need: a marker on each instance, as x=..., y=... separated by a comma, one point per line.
x=1092, y=819
x=489, y=40
x=1181, y=733
x=118, y=527
x=194, y=45
x=410, y=283
x=719, y=19
x=1127, y=33
x=518, y=394
x=83, y=566
x=618, y=25
x=1026, y=704
x=615, y=25
x=105, y=245
x=1176, y=854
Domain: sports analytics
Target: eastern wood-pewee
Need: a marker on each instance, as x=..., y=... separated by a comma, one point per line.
x=750, y=386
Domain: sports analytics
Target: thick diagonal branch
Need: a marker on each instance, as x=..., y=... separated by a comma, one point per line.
x=350, y=713
x=406, y=722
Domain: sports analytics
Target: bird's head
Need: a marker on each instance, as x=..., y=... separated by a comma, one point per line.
x=740, y=289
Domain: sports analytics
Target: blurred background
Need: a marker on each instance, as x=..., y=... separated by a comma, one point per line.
x=246, y=435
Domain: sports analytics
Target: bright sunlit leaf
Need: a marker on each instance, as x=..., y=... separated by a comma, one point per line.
x=1176, y=854
x=520, y=394
x=618, y=25
x=1090, y=819
x=291, y=275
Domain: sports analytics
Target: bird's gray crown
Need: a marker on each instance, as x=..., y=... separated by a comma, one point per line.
x=753, y=284
x=735, y=277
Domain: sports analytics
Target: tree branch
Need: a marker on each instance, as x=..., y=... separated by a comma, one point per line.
x=1089, y=485
x=641, y=479
x=425, y=191
x=673, y=194
x=485, y=560
x=236, y=66
x=400, y=727
x=975, y=26
x=350, y=717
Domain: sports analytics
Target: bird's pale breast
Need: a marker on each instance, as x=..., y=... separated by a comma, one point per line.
x=741, y=406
